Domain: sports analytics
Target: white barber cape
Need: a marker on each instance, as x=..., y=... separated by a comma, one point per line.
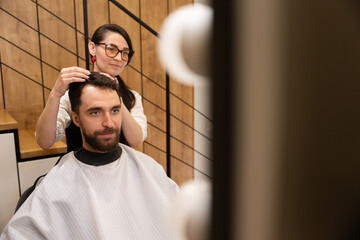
x=125, y=197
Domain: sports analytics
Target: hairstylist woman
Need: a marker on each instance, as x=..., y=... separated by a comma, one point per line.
x=111, y=51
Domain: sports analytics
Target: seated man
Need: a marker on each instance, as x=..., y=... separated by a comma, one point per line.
x=104, y=190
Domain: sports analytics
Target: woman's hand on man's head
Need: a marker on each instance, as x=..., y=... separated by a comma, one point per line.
x=67, y=76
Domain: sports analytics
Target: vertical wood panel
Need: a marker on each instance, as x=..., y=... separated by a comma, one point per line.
x=56, y=30
x=151, y=66
x=55, y=55
x=154, y=93
x=182, y=152
x=174, y=4
x=156, y=137
x=97, y=14
x=182, y=132
x=155, y=115
x=79, y=11
x=155, y=153
x=81, y=45
x=117, y=16
x=63, y=9
x=153, y=12
x=23, y=98
x=132, y=79
x=132, y=6
x=82, y=63
x=49, y=75
x=182, y=148
x=19, y=34
x=181, y=111
x=181, y=172
x=20, y=61
x=184, y=92
x=25, y=10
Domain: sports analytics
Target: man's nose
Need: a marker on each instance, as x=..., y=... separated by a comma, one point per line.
x=107, y=121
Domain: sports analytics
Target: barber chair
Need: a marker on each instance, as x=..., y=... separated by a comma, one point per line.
x=28, y=191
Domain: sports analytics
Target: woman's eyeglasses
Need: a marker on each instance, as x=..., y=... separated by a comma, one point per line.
x=112, y=51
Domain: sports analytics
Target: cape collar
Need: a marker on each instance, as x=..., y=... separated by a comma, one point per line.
x=98, y=159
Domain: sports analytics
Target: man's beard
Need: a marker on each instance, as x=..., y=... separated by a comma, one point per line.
x=103, y=145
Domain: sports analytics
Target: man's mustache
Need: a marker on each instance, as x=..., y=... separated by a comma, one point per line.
x=106, y=131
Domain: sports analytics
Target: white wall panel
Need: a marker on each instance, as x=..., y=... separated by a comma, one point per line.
x=31, y=170
x=9, y=188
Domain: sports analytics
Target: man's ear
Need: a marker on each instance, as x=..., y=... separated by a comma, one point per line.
x=75, y=119
x=91, y=46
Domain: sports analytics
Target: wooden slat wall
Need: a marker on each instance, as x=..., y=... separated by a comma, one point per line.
x=38, y=38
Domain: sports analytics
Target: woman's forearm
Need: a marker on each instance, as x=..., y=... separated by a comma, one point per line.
x=130, y=128
x=46, y=125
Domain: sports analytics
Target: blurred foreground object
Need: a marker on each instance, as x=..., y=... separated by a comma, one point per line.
x=184, y=46
x=190, y=211
x=184, y=51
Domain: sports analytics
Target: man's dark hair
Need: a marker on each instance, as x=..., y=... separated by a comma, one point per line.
x=95, y=79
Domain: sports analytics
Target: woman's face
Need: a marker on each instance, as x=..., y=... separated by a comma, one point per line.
x=105, y=64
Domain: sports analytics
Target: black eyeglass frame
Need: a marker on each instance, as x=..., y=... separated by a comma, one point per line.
x=131, y=52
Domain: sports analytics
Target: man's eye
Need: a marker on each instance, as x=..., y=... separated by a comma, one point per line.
x=115, y=110
x=126, y=53
x=95, y=113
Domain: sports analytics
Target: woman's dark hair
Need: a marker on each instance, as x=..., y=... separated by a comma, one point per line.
x=100, y=33
x=98, y=36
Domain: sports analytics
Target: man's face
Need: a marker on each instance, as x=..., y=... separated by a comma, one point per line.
x=99, y=119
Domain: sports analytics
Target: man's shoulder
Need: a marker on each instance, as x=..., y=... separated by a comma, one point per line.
x=55, y=184
x=152, y=168
x=135, y=153
x=62, y=170
x=65, y=159
x=141, y=157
